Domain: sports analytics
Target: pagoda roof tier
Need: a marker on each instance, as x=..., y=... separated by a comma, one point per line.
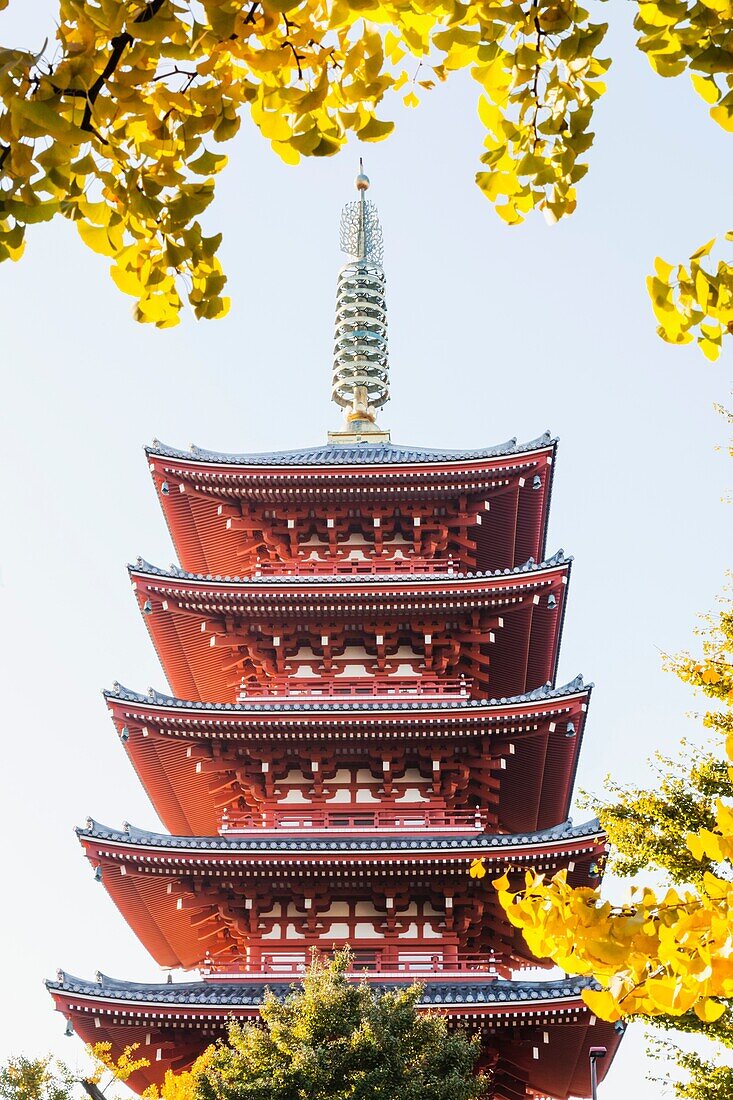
x=213, y=503
x=541, y=1031
x=186, y=897
x=215, y=636
x=516, y=755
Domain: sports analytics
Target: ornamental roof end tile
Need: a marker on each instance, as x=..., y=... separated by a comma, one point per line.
x=341, y=454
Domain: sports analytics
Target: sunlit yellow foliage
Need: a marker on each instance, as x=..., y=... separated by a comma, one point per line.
x=121, y=1068
x=116, y=124
x=666, y=952
x=694, y=300
x=696, y=36
x=179, y=1086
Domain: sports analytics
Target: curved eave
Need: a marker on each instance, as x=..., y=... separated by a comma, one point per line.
x=499, y=994
x=282, y=711
x=340, y=458
x=346, y=584
x=150, y=876
x=141, y=845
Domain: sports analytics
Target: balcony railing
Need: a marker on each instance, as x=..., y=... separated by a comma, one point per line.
x=414, y=819
x=354, y=567
x=411, y=966
x=424, y=686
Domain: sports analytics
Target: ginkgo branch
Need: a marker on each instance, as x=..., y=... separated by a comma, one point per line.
x=119, y=44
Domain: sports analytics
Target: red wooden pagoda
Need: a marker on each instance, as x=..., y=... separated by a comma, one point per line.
x=362, y=644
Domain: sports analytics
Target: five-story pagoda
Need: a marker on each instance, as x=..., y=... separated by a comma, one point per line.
x=361, y=645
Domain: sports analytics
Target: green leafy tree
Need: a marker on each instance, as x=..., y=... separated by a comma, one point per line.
x=706, y=1080
x=337, y=1040
x=648, y=828
x=48, y=1078
x=35, y=1079
x=663, y=957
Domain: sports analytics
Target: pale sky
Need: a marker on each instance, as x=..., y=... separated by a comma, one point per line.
x=494, y=332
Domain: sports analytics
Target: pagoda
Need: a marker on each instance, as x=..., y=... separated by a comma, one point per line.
x=361, y=644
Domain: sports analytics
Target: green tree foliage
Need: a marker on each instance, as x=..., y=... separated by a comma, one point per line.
x=117, y=122
x=48, y=1078
x=648, y=828
x=337, y=1040
x=35, y=1079
x=664, y=956
x=703, y=1079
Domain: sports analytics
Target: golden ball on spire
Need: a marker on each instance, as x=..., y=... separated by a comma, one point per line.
x=362, y=180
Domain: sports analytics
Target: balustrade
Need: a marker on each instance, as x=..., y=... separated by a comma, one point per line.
x=348, y=820
x=376, y=566
x=384, y=964
x=426, y=685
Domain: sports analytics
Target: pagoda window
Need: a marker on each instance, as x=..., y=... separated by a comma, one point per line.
x=367, y=909
x=275, y=933
x=336, y=931
x=359, y=820
x=431, y=933
x=340, y=909
x=295, y=797
x=363, y=796
x=367, y=932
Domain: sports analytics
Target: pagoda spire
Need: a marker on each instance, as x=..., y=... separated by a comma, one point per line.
x=360, y=382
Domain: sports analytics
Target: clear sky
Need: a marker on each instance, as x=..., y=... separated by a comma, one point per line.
x=494, y=332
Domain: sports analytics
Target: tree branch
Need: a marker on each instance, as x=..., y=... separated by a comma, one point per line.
x=298, y=57
x=119, y=44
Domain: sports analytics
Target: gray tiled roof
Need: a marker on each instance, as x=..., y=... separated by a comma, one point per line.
x=245, y=994
x=341, y=454
x=144, y=838
x=327, y=706
x=349, y=580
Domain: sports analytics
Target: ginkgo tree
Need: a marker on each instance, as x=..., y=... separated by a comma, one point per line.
x=118, y=122
x=117, y=125
x=665, y=954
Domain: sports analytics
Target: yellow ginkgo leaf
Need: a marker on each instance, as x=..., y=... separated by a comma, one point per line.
x=477, y=869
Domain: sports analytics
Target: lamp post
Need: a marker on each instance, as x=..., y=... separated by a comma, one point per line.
x=594, y=1055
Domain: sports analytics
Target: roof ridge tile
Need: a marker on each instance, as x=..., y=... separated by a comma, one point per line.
x=341, y=454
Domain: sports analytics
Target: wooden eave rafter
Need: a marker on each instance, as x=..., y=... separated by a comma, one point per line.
x=301, y=480
x=267, y=721
x=223, y=858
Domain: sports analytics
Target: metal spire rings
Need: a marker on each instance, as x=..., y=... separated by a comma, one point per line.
x=360, y=365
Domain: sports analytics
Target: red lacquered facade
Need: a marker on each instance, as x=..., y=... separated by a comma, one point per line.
x=361, y=644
